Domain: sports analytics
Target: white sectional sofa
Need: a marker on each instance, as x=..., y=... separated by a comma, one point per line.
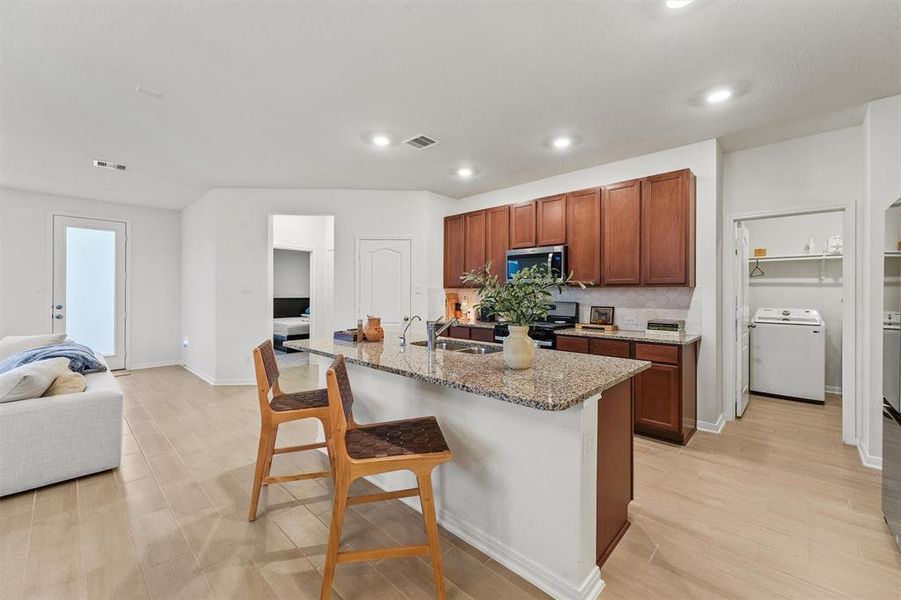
x=55, y=438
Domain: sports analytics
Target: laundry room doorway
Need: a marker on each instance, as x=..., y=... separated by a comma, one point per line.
x=792, y=300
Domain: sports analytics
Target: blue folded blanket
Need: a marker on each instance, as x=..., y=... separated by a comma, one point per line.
x=81, y=358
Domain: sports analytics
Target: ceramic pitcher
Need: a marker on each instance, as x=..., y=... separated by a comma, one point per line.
x=373, y=329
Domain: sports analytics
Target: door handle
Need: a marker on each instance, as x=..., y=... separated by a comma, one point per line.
x=58, y=307
x=57, y=316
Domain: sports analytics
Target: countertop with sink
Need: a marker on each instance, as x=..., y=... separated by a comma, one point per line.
x=557, y=380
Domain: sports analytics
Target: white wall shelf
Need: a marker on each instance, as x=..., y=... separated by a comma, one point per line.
x=795, y=257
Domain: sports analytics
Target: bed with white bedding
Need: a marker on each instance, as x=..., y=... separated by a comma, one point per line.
x=291, y=321
x=290, y=326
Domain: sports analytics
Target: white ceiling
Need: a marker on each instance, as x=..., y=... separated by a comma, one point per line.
x=280, y=94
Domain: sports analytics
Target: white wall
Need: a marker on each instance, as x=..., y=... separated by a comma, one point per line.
x=797, y=284
x=154, y=264
x=242, y=256
x=824, y=170
x=290, y=274
x=882, y=154
x=702, y=305
x=198, y=289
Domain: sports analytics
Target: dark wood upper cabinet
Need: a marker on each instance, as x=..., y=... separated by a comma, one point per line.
x=551, y=220
x=498, y=238
x=621, y=233
x=583, y=230
x=476, y=248
x=454, y=256
x=668, y=229
x=522, y=225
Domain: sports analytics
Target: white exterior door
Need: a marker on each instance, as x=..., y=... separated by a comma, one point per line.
x=384, y=282
x=742, y=319
x=89, y=284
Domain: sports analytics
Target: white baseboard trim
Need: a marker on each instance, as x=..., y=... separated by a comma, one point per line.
x=716, y=428
x=868, y=460
x=549, y=583
x=833, y=389
x=214, y=381
x=165, y=363
x=200, y=374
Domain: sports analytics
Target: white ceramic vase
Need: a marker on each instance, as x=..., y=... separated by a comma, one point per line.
x=519, y=349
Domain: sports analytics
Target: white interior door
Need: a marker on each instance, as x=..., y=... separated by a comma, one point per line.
x=89, y=284
x=384, y=283
x=742, y=319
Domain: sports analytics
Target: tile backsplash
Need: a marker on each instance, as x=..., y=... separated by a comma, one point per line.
x=634, y=306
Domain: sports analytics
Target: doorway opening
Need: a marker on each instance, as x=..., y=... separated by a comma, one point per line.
x=301, y=278
x=792, y=299
x=89, y=281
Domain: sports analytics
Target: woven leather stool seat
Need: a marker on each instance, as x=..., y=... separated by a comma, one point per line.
x=398, y=438
x=300, y=400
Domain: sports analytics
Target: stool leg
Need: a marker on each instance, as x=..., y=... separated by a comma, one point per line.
x=263, y=457
x=431, y=528
x=342, y=488
x=270, y=451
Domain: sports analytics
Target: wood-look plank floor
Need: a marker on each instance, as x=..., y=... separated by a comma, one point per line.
x=776, y=507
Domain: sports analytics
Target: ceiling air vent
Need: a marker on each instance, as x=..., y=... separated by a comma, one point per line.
x=421, y=142
x=108, y=165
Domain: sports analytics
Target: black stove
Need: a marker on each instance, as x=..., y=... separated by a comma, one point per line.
x=562, y=316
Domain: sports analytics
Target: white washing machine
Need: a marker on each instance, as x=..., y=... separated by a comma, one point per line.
x=788, y=353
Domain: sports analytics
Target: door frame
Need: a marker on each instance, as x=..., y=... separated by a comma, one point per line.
x=358, y=239
x=738, y=369
x=314, y=283
x=850, y=401
x=51, y=215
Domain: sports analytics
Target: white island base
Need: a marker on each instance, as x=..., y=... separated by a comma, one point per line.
x=523, y=486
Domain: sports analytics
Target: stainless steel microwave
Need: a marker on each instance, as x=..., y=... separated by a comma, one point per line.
x=552, y=256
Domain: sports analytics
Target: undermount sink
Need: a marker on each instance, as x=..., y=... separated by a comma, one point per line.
x=461, y=347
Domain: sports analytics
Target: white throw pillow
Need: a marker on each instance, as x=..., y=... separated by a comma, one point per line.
x=31, y=380
x=13, y=344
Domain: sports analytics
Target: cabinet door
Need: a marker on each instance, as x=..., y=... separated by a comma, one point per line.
x=552, y=220
x=621, y=233
x=522, y=225
x=460, y=333
x=454, y=254
x=667, y=229
x=482, y=334
x=476, y=251
x=583, y=232
x=498, y=239
x=567, y=343
x=657, y=398
x=602, y=347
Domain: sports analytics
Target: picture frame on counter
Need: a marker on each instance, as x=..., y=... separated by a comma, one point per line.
x=602, y=315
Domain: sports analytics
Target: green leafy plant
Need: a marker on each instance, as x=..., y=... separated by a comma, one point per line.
x=523, y=300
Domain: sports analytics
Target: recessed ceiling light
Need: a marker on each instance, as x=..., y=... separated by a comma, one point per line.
x=464, y=172
x=720, y=95
x=561, y=142
x=381, y=140
x=677, y=3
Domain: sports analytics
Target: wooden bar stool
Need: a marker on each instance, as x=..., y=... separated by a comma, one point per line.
x=415, y=445
x=281, y=408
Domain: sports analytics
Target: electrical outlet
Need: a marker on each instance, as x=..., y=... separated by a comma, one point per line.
x=630, y=320
x=246, y=360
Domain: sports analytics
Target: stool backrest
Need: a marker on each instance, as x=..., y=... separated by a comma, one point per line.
x=340, y=402
x=267, y=373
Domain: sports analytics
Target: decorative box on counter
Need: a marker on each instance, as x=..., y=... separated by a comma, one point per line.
x=349, y=335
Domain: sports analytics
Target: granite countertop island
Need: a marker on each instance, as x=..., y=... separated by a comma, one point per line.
x=557, y=380
x=543, y=459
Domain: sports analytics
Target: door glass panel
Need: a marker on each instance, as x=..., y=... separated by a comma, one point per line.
x=91, y=288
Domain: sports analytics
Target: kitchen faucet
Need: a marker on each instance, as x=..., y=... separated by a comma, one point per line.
x=433, y=330
x=409, y=321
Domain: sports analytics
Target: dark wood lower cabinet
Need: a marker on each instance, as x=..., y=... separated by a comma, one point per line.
x=665, y=396
x=482, y=334
x=615, y=468
x=460, y=333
